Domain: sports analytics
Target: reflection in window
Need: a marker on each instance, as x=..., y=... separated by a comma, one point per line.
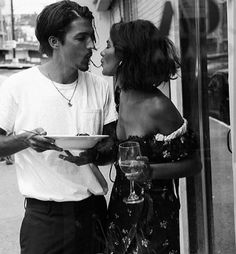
x=217, y=55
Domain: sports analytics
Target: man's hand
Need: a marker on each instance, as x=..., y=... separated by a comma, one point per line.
x=36, y=140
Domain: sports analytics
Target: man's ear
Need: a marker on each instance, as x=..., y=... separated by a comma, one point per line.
x=53, y=42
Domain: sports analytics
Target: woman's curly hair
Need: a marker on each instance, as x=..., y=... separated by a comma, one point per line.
x=147, y=57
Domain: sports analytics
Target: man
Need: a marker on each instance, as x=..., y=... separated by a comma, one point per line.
x=58, y=97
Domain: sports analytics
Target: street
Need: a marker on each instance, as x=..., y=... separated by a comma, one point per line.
x=11, y=210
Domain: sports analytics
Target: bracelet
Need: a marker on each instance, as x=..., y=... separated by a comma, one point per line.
x=149, y=184
x=105, y=156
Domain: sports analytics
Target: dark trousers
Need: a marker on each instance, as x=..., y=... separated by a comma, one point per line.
x=52, y=227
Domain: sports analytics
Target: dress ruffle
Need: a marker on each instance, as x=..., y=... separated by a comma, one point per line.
x=179, y=132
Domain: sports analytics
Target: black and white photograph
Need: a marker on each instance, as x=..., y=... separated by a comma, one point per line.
x=117, y=127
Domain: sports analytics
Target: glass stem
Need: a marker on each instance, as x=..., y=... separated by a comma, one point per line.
x=132, y=191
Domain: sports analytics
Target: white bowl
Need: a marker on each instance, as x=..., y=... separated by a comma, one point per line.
x=76, y=142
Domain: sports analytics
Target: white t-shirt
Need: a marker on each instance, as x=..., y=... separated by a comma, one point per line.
x=29, y=100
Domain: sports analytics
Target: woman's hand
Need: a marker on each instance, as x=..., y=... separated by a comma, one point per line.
x=101, y=154
x=83, y=158
x=145, y=171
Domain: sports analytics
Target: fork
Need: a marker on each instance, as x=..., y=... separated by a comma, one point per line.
x=33, y=132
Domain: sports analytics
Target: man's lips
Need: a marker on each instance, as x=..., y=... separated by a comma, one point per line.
x=87, y=57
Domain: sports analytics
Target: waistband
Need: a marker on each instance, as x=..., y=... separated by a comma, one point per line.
x=90, y=202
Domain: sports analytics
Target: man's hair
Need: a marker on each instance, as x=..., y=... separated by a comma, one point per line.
x=54, y=20
x=146, y=57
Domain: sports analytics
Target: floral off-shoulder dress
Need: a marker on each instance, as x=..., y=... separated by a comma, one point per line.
x=153, y=225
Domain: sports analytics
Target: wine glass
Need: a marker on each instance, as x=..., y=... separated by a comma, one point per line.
x=128, y=152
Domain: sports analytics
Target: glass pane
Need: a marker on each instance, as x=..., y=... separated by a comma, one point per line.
x=219, y=124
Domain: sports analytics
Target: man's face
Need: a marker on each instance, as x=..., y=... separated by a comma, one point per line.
x=76, y=50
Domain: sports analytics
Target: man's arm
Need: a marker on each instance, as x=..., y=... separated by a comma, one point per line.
x=15, y=143
x=11, y=144
x=3, y=132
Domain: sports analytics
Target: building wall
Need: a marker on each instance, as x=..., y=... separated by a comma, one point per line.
x=151, y=10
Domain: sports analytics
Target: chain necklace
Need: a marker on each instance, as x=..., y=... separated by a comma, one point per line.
x=69, y=100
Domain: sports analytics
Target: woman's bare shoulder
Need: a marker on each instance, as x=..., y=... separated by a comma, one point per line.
x=165, y=115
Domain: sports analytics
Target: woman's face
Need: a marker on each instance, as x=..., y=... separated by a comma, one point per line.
x=109, y=60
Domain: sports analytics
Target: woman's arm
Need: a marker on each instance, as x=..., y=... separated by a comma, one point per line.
x=189, y=166
x=104, y=152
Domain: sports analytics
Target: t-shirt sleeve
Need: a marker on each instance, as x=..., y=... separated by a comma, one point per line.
x=8, y=107
x=110, y=113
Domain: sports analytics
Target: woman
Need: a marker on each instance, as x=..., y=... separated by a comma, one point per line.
x=141, y=59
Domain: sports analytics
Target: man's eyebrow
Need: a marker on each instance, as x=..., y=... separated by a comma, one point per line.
x=87, y=33
x=83, y=33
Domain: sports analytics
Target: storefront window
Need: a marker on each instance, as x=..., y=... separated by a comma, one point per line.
x=204, y=48
x=219, y=128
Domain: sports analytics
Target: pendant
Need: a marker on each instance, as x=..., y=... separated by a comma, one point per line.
x=70, y=105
